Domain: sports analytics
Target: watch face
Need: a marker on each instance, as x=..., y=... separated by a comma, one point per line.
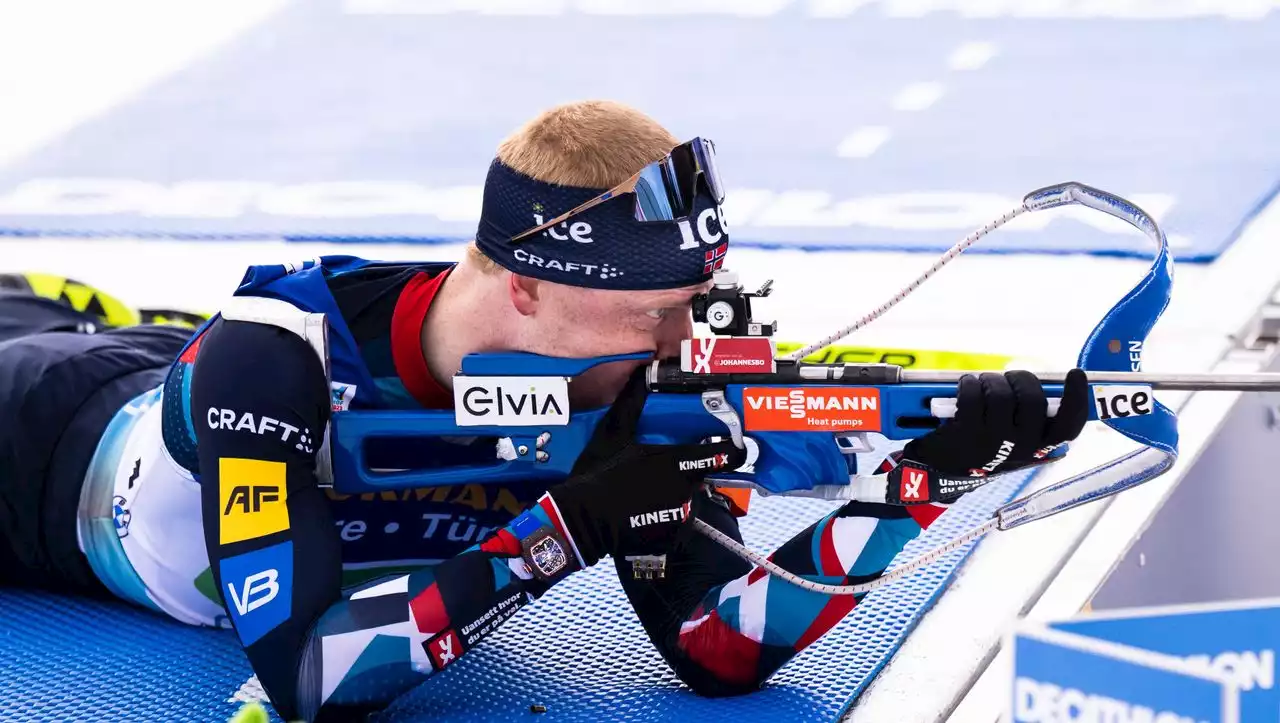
x=548, y=556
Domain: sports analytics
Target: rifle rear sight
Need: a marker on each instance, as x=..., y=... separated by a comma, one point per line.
x=726, y=308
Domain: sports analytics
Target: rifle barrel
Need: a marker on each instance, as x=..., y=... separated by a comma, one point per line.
x=1191, y=382
x=666, y=375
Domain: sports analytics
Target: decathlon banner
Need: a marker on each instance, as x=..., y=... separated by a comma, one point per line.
x=1059, y=677
x=841, y=124
x=1237, y=639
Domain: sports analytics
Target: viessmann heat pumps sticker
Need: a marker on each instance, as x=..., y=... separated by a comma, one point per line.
x=811, y=409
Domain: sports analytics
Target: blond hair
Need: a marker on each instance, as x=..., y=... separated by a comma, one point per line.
x=587, y=144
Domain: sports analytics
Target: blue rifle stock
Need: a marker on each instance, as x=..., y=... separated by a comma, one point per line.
x=686, y=406
x=676, y=411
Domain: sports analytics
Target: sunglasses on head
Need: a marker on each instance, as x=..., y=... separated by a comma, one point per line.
x=664, y=190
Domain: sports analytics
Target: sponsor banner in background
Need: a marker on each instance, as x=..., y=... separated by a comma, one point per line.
x=1060, y=677
x=1132, y=10
x=948, y=126
x=1238, y=640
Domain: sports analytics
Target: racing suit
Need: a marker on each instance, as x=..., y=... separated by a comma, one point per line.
x=205, y=500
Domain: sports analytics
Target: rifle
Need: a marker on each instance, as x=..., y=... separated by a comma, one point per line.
x=800, y=421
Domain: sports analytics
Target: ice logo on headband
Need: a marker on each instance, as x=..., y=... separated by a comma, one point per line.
x=579, y=231
x=705, y=232
x=603, y=246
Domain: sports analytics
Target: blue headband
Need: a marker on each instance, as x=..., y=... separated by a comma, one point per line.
x=603, y=247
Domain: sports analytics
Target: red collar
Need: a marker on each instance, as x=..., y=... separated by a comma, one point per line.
x=406, y=341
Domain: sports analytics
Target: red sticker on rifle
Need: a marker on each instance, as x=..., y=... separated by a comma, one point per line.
x=811, y=409
x=727, y=355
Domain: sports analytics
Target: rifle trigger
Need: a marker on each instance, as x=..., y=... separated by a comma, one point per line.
x=854, y=442
x=717, y=406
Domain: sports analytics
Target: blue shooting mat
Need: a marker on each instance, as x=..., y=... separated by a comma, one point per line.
x=327, y=123
x=579, y=650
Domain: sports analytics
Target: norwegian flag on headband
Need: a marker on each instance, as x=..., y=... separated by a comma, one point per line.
x=714, y=258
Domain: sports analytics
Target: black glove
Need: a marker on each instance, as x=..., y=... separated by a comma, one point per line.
x=624, y=498
x=1001, y=425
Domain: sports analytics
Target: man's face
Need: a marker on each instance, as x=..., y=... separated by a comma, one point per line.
x=576, y=322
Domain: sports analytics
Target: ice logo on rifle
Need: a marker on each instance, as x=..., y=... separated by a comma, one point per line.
x=548, y=556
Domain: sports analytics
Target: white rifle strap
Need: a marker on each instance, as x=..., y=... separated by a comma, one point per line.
x=311, y=328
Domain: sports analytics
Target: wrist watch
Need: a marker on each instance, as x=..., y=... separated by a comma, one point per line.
x=543, y=549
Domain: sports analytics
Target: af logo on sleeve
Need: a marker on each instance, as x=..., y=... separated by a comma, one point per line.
x=251, y=499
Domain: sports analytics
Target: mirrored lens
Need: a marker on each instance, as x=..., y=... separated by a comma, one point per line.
x=706, y=152
x=665, y=190
x=652, y=200
x=684, y=175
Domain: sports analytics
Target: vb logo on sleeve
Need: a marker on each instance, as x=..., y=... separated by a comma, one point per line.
x=258, y=588
x=251, y=499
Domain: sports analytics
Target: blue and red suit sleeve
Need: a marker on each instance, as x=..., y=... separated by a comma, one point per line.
x=260, y=402
x=726, y=626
